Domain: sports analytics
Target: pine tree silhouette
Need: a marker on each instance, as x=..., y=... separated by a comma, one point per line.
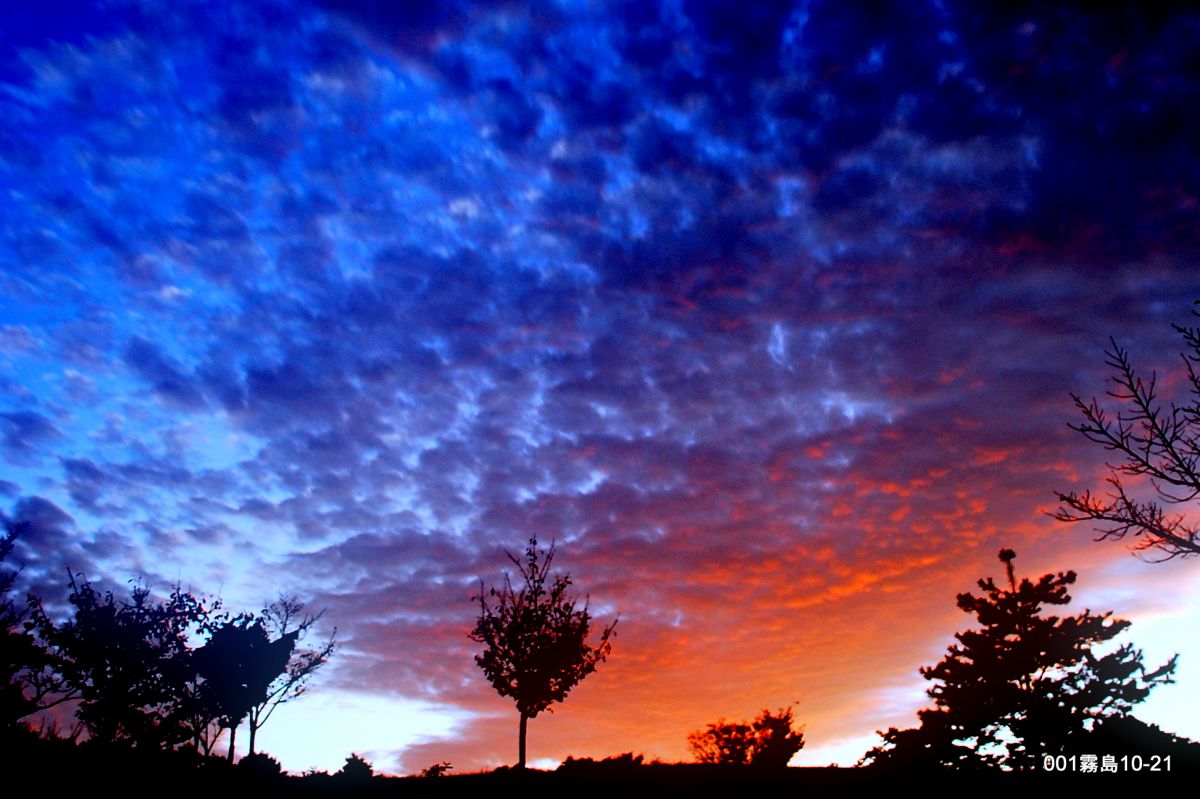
x=1023, y=685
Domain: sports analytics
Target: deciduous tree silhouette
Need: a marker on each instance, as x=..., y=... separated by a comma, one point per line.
x=129, y=663
x=134, y=670
x=1024, y=685
x=769, y=741
x=246, y=674
x=287, y=618
x=1155, y=444
x=535, y=638
x=775, y=741
x=238, y=663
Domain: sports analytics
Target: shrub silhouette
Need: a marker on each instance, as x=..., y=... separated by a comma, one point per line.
x=356, y=769
x=769, y=741
x=260, y=765
x=627, y=761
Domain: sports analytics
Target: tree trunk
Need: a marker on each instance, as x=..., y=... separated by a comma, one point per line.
x=232, y=738
x=253, y=730
x=521, y=753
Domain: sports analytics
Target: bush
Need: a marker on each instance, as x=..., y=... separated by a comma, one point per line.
x=260, y=765
x=769, y=741
x=356, y=769
x=627, y=760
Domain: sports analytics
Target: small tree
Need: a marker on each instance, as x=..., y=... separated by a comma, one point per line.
x=535, y=638
x=775, y=741
x=1152, y=442
x=238, y=664
x=769, y=741
x=1023, y=685
x=287, y=618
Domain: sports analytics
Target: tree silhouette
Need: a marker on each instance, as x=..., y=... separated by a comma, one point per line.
x=1155, y=444
x=238, y=663
x=287, y=618
x=135, y=672
x=246, y=675
x=535, y=638
x=1024, y=685
x=129, y=663
x=769, y=741
x=774, y=739
x=27, y=683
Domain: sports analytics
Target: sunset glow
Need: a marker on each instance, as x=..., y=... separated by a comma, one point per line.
x=768, y=314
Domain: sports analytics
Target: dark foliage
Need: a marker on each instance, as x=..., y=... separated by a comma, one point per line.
x=767, y=742
x=237, y=665
x=128, y=663
x=723, y=742
x=621, y=767
x=288, y=620
x=626, y=761
x=535, y=638
x=1131, y=736
x=1023, y=685
x=356, y=769
x=260, y=766
x=135, y=673
x=1155, y=444
x=22, y=658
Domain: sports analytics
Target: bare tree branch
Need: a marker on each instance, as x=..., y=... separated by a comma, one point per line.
x=1158, y=443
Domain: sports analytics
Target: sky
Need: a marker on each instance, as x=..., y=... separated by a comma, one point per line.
x=768, y=314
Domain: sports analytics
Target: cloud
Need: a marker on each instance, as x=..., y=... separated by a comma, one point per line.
x=161, y=372
x=25, y=430
x=767, y=315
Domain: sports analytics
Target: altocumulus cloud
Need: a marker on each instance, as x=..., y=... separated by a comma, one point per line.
x=767, y=314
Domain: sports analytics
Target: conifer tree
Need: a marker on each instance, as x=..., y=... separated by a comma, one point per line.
x=1022, y=685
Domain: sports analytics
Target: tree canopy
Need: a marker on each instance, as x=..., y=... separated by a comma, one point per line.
x=287, y=618
x=1023, y=684
x=535, y=638
x=237, y=664
x=130, y=663
x=175, y=673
